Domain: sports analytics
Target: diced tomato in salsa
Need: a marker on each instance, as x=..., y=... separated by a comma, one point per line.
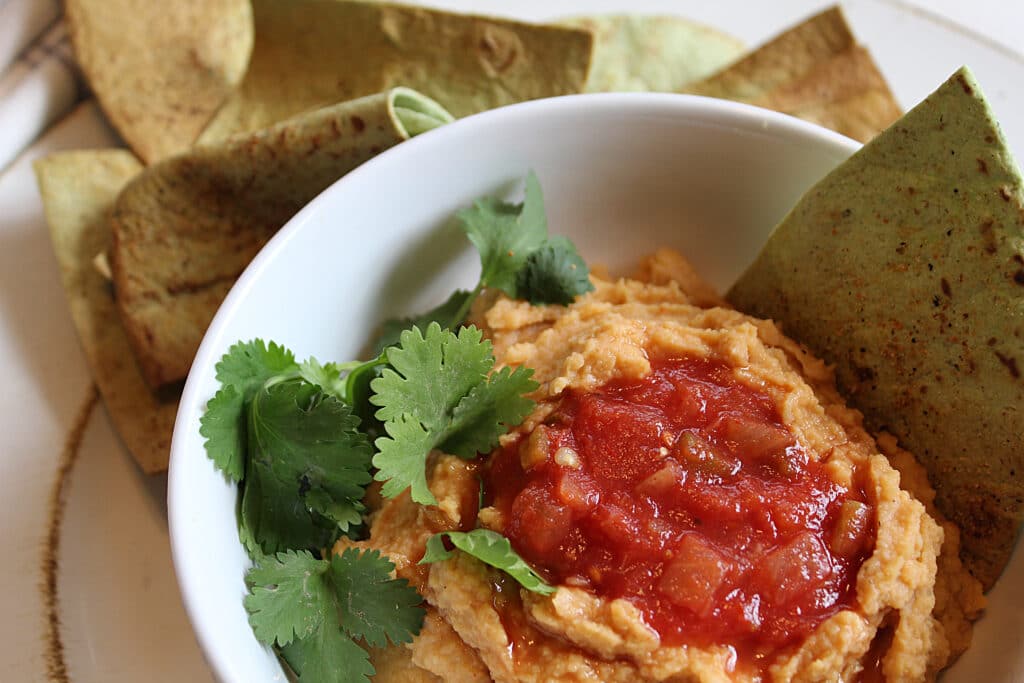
x=686, y=494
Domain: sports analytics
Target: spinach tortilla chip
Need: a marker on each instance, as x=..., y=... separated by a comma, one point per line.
x=905, y=268
x=186, y=227
x=78, y=190
x=311, y=53
x=161, y=69
x=814, y=71
x=659, y=53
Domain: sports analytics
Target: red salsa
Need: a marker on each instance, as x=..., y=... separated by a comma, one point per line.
x=685, y=494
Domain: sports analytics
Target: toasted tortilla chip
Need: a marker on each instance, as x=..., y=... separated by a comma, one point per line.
x=187, y=227
x=311, y=53
x=781, y=60
x=161, y=69
x=659, y=53
x=847, y=94
x=905, y=268
x=78, y=190
x=816, y=72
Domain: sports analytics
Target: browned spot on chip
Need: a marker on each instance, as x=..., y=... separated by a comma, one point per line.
x=988, y=235
x=499, y=48
x=982, y=166
x=864, y=374
x=965, y=85
x=1010, y=363
x=358, y=124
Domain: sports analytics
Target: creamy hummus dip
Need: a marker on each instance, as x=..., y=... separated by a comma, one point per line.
x=706, y=505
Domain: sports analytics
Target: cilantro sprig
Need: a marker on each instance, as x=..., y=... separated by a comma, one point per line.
x=517, y=257
x=304, y=461
x=516, y=254
x=316, y=610
x=492, y=549
x=308, y=466
x=241, y=372
x=437, y=393
x=505, y=234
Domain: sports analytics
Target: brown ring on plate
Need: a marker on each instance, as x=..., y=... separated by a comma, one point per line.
x=56, y=666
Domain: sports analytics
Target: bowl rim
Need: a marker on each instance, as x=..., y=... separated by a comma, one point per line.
x=188, y=564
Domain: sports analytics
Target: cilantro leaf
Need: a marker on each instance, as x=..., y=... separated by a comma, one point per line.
x=435, y=551
x=490, y=548
x=313, y=435
x=448, y=315
x=553, y=274
x=241, y=371
x=488, y=411
x=374, y=606
x=222, y=426
x=328, y=656
x=402, y=459
x=247, y=365
x=275, y=517
x=288, y=597
x=437, y=393
x=314, y=609
x=308, y=464
x=431, y=373
x=505, y=234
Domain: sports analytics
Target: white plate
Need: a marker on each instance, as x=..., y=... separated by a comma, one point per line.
x=121, y=618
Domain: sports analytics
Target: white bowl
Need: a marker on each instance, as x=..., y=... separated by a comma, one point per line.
x=622, y=174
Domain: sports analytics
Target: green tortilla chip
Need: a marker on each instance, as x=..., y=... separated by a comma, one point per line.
x=659, y=53
x=905, y=268
x=161, y=69
x=311, y=53
x=814, y=71
x=186, y=228
x=78, y=190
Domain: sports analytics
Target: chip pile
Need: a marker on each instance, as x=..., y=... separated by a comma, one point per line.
x=247, y=118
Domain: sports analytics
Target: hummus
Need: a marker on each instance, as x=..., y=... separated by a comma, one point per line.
x=784, y=612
